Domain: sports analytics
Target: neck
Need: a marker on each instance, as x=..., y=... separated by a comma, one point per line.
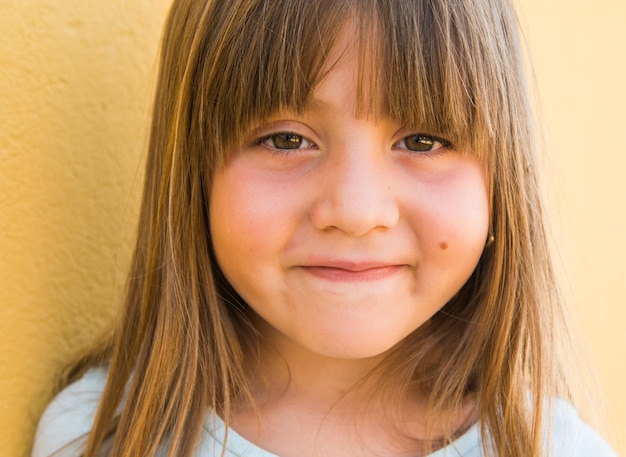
x=305, y=401
x=340, y=415
x=305, y=409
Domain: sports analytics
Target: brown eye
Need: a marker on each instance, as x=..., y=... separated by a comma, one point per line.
x=286, y=140
x=421, y=143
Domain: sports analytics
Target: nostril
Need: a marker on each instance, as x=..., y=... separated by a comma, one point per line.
x=354, y=216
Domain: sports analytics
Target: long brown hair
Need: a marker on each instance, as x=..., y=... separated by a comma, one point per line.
x=454, y=67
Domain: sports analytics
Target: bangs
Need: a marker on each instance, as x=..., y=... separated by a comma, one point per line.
x=433, y=65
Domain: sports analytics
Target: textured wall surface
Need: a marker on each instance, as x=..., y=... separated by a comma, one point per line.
x=75, y=93
x=75, y=88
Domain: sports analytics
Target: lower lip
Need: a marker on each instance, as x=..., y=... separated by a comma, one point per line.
x=342, y=275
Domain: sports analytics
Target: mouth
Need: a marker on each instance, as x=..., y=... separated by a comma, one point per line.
x=354, y=271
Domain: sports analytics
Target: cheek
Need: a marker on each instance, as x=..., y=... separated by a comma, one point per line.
x=454, y=213
x=229, y=217
x=236, y=216
x=251, y=216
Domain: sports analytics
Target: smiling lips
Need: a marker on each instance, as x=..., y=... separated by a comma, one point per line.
x=353, y=271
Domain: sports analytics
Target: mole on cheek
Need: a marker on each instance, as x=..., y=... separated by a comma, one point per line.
x=443, y=245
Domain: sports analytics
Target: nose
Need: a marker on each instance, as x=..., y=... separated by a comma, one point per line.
x=356, y=194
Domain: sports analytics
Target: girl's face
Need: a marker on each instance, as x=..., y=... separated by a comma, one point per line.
x=343, y=233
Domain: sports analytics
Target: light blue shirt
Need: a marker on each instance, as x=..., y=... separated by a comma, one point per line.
x=70, y=417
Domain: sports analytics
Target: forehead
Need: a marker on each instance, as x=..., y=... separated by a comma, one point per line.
x=347, y=79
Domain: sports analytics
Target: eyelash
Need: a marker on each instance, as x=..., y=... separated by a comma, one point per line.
x=437, y=143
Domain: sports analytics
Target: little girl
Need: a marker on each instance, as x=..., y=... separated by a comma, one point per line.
x=340, y=250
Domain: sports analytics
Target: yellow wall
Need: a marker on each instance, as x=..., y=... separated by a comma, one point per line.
x=75, y=88
x=578, y=49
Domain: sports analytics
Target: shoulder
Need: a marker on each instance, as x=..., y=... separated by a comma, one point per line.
x=69, y=417
x=570, y=436
x=566, y=434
